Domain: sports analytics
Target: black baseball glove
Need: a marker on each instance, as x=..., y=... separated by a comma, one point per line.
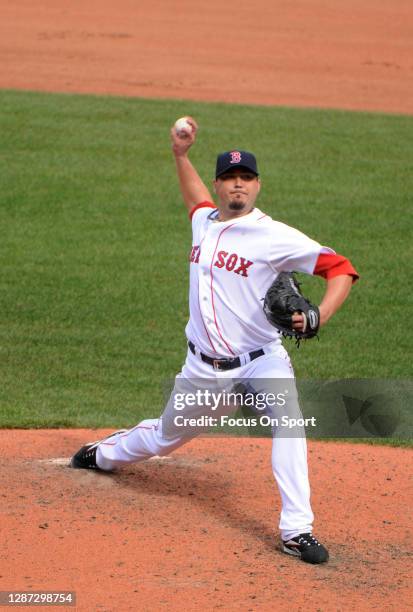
x=282, y=300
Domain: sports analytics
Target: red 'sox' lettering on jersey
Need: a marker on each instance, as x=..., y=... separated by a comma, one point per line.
x=233, y=263
x=244, y=264
x=195, y=253
x=220, y=261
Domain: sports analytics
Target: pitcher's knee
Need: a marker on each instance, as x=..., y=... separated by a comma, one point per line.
x=166, y=446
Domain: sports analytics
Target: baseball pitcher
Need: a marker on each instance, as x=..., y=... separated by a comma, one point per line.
x=243, y=297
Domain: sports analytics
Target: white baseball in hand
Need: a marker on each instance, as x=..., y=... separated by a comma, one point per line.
x=183, y=127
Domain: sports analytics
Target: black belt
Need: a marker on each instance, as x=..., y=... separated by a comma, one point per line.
x=225, y=364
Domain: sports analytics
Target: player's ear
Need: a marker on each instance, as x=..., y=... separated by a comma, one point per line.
x=214, y=186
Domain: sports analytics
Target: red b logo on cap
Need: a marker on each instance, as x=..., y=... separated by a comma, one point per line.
x=235, y=157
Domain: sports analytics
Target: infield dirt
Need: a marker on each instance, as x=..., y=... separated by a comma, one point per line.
x=322, y=53
x=197, y=530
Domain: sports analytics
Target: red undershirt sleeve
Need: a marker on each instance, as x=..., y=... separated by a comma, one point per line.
x=329, y=265
x=200, y=205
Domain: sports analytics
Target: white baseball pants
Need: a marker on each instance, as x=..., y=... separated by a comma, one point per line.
x=289, y=454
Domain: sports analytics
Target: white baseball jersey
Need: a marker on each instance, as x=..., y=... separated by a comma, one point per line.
x=232, y=264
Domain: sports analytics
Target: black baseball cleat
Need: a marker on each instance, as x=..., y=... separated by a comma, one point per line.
x=85, y=458
x=307, y=548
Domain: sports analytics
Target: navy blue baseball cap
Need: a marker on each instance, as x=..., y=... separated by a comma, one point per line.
x=235, y=159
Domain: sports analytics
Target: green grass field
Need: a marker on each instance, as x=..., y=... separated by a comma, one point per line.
x=94, y=244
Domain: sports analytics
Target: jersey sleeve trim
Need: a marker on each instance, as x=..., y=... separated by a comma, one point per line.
x=329, y=265
x=198, y=206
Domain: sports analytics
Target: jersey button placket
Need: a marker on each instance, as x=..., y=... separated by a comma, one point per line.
x=207, y=309
x=213, y=237
x=204, y=282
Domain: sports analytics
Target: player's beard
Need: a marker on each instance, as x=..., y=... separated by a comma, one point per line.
x=236, y=205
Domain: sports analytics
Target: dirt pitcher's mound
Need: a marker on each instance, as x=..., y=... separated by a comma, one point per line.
x=198, y=530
